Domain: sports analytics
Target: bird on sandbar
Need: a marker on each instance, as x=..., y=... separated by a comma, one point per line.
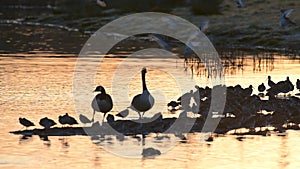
x=102, y=102
x=298, y=84
x=25, y=122
x=123, y=113
x=261, y=87
x=66, y=119
x=284, y=17
x=270, y=82
x=83, y=119
x=144, y=101
x=47, y=123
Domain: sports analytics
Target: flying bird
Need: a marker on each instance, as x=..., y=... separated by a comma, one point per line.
x=204, y=25
x=239, y=3
x=284, y=17
x=101, y=3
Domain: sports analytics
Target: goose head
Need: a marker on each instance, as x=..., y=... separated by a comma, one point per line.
x=144, y=70
x=100, y=89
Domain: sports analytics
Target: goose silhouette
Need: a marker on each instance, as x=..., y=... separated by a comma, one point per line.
x=144, y=101
x=102, y=102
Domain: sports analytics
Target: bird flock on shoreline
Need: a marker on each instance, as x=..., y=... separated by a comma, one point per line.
x=241, y=103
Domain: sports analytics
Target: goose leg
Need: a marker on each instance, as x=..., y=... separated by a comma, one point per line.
x=93, y=117
x=140, y=115
x=103, y=118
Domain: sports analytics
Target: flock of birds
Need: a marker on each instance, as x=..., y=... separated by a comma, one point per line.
x=241, y=103
x=48, y=123
x=284, y=16
x=103, y=103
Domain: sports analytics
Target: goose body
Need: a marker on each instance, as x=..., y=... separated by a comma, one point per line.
x=25, y=122
x=144, y=101
x=102, y=102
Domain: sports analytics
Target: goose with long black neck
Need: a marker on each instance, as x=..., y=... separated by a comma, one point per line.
x=102, y=102
x=144, y=101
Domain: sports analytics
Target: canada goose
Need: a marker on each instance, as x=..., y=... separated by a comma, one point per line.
x=102, y=102
x=25, y=122
x=144, y=101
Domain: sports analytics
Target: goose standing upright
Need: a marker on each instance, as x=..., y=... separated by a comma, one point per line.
x=102, y=102
x=144, y=101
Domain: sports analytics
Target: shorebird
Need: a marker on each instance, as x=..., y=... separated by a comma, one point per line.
x=47, y=123
x=298, y=84
x=83, y=119
x=66, y=119
x=281, y=87
x=25, y=122
x=284, y=17
x=102, y=102
x=270, y=82
x=144, y=101
x=123, y=113
x=261, y=87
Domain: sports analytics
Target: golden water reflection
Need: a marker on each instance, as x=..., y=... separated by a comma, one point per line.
x=35, y=87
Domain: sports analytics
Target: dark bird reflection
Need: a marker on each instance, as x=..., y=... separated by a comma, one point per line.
x=45, y=140
x=150, y=152
x=25, y=138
